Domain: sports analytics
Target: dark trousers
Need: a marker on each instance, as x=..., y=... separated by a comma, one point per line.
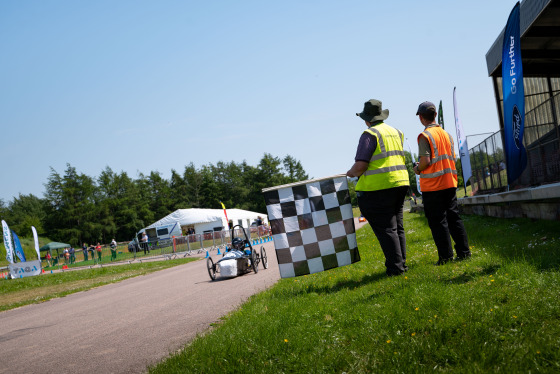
x=384, y=211
x=443, y=217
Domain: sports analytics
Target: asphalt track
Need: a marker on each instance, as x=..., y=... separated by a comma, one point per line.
x=124, y=327
x=127, y=326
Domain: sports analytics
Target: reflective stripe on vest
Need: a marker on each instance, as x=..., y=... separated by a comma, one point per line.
x=441, y=173
x=385, y=170
x=386, y=167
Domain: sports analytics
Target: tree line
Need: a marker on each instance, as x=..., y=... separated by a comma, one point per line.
x=77, y=208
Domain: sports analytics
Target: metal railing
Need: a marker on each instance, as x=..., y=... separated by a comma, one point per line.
x=182, y=245
x=542, y=141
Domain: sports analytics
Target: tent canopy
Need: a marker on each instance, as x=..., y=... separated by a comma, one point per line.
x=54, y=245
x=187, y=217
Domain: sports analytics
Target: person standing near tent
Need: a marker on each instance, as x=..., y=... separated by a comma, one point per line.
x=113, y=250
x=48, y=257
x=438, y=182
x=84, y=251
x=92, y=250
x=144, y=242
x=72, y=253
x=99, y=251
x=383, y=183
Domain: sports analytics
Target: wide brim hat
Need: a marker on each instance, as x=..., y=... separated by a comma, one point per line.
x=373, y=111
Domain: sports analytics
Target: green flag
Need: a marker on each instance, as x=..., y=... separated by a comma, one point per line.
x=440, y=116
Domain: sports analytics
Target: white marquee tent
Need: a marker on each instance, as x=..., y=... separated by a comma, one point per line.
x=208, y=219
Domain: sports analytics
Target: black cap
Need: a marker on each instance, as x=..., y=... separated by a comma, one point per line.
x=426, y=107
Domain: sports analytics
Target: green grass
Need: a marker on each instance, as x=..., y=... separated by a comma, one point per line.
x=497, y=312
x=23, y=291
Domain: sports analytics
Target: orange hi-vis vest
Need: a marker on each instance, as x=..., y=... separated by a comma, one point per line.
x=441, y=173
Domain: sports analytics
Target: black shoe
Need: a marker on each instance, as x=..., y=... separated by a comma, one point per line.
x=461, y=258
x=443, y=261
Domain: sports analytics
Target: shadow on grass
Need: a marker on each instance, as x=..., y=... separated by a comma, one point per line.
x=467, y=277
x=343, y=285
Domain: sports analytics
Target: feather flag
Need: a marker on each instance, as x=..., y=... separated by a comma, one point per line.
x=18, y=249
x=463, y=145
x=8, y=242
x=440, y=116
x=514, y=98
x=36, y=241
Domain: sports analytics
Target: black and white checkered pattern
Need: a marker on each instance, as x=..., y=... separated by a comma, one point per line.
x=312, y=225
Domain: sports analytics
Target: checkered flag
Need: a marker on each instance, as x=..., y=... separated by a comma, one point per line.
x=312, y=225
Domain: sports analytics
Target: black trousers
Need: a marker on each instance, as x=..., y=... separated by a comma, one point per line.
x=384, y=211
x=443, y=217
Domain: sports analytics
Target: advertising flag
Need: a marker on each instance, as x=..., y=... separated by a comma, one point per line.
x=463, y=146
x=514, y=98
x=8, y=242
x=440, y=116
x=18, y=249
x=36, y=241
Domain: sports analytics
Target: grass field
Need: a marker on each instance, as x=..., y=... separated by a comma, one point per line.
x=497, y=312
x=31, y=290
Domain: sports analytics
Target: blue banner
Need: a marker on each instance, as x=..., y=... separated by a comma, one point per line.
x=17, y=247
x=514, y=98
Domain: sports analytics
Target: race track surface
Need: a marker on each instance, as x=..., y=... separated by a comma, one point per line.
x=126, y=326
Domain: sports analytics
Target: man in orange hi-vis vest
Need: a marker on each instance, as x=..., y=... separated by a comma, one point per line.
x=438, y=182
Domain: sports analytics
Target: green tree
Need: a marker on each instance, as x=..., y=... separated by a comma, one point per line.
x=193, y=180
x=25, y=211
x=179, y=191
x=71, y=207
x=294, y=170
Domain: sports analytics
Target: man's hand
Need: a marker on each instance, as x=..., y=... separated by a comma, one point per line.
x=422, y=165
x=357, y=169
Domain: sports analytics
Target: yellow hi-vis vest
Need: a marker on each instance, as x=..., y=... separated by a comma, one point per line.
x=386, y=167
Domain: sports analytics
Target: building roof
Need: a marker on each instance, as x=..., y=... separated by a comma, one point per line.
x=540, y=40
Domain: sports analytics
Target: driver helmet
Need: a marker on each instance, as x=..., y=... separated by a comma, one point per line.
x=238, y=244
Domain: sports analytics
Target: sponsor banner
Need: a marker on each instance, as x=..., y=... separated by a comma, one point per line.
x=8, y=242
x=25, y=269
x=514, y=98
x=462, y=144
x=312, y=225
x=18, y=250
x=36, y=241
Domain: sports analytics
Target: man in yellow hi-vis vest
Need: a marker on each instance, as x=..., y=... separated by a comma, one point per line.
x=383, y=183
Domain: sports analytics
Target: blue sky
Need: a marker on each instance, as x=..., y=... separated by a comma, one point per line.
x=144, y=86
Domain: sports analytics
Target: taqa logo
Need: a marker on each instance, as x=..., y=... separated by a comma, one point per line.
x=516, y=126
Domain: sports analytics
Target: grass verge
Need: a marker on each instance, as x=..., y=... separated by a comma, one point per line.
x=497, y=312
x=23, y=291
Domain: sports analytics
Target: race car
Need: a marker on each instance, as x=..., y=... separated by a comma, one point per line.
x=239, y=259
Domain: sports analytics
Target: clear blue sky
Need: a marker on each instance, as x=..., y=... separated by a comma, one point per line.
x=144, y=86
